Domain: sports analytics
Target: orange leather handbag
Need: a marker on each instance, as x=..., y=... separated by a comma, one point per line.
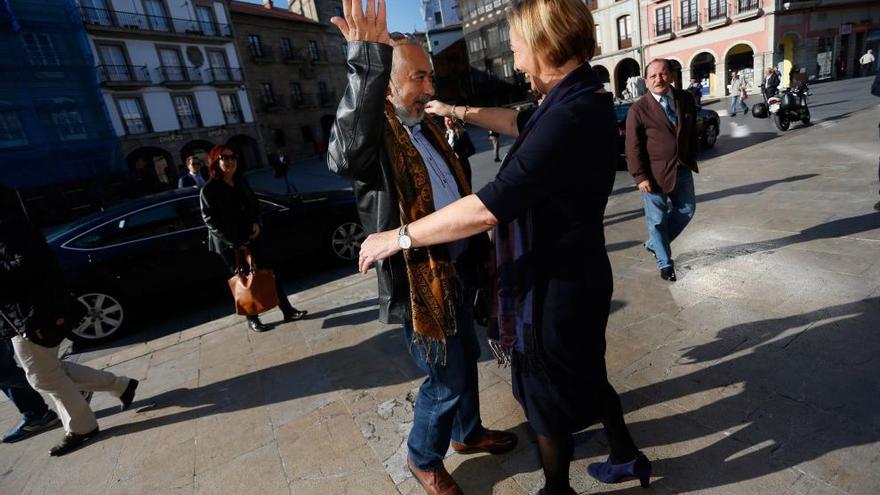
x=254, y=292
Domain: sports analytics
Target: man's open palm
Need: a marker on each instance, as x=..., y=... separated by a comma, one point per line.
x=358, y=25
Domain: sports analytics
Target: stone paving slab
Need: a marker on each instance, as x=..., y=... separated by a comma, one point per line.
x=756, y=373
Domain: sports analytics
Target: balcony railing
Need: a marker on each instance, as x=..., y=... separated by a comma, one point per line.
x=327, y=99
x=180, y=75
x=123, y=75
x=190, y=121
x=624, y=43
x=261, y=52
x=233, y=117
x=746, y=6
x=225, y=75
x=292, y=57
x=661, y=29
x=137, y=125
x=271, y=102
x=689, y=21
x=318, y=56
x=152, y=23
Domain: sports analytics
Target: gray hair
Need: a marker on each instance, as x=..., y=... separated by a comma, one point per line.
x=395, y=59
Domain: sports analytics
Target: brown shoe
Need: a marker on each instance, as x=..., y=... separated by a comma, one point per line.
x=436, y=482
x=492, y=441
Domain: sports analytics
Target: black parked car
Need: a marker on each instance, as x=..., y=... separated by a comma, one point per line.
x=707, y=127
x=138, y=249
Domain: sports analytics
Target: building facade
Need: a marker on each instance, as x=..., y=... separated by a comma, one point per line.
x=439, y=14
x=295, y=67
x=618, y=42
x=707, y=39
x=172, y=83
x=57, y=145
x=486, y=34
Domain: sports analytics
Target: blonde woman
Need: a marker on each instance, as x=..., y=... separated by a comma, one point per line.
x=553, y=277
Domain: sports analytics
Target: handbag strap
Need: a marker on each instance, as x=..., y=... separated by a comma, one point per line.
x=11, y=325
x=243, y=253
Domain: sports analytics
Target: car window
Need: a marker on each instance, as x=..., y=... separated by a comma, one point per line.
x=157, y=220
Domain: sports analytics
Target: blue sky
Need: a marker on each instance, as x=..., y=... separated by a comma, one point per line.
x=403, y=15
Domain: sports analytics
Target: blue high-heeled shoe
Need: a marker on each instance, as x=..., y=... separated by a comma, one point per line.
x=640, y=468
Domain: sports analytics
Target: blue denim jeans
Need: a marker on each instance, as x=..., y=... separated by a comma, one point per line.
x=668, y=214
x=735, y=103
x=14, y=384
x=448, y=404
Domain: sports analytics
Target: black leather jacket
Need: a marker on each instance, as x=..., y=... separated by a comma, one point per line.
x=229, y=213
x=356, y=151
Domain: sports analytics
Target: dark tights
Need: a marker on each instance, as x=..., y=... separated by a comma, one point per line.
x=556, y=452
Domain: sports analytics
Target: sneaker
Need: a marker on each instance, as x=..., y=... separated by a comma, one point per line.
x=72, y=441
x=29, y=427
x=128, y=395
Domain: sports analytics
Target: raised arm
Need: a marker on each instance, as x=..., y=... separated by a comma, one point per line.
x=501, y=120
x=356, y=135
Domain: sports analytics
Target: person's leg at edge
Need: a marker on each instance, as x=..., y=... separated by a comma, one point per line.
x=656, y=217
x=684, y=204
x=556, y=453
x=621, y=444
x=734, y=100
x=46, y=373
x=467, y=425
x=437, y=402
x=14, y=383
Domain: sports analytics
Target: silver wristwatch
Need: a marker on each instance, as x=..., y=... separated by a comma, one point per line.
x=403, y=239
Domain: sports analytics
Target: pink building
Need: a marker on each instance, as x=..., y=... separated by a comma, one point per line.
x=707, y=39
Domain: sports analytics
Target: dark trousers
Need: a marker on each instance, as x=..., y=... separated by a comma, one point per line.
x=261, y=261
x=15, y=385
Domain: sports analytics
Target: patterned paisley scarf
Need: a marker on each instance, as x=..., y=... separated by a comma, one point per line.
x=431, y=274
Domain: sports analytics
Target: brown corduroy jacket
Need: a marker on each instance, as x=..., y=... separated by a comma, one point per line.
x=654, y=146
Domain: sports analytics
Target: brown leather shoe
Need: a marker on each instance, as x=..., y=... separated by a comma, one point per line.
x=436, y=482
x=492, y=441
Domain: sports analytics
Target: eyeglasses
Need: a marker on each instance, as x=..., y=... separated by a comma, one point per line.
x=226, y=158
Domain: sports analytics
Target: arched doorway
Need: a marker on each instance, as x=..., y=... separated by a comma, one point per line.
x=789, y=57
x=676, y=73
x=625, y=69
x=152, y=169
x=249, y=156
x=741, y=58
x=703, y=70
x=604, y=76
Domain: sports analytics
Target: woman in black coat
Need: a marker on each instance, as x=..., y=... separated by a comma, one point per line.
x=232, y=214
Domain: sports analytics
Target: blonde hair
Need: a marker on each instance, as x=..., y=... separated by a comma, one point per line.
x=555, y=30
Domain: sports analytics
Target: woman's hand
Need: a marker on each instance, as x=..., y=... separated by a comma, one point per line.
x=377, y=247
x=358, y=25
x=437, y=107
x=256, y=230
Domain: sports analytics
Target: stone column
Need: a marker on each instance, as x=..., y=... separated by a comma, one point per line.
x=720, y=79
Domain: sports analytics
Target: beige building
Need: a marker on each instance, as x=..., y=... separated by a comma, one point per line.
x=619, y=40
x=295, y=71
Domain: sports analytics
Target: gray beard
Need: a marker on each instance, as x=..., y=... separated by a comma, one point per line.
x=403, y=114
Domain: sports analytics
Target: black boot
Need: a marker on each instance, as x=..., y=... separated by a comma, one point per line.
x=255, y=324
x=293, y=314
x=72, y=441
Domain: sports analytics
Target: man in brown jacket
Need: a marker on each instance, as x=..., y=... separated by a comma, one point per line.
x=661, y=149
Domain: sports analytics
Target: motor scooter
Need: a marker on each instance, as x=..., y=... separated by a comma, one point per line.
x=785, y=107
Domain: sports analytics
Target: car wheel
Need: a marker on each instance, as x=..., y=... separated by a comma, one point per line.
x=346, y=239
x=805, y=117
x=710, y=135
x=104, y=320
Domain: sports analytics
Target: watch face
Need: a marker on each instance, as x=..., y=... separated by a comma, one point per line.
x=404, y=242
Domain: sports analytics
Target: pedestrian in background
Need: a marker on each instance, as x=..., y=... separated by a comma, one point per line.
x=35, y=414
x=457, y=137
x=696, y=90
x=231, y=212
x=771, y=82
x=661, y=154
x=495, y=139
x=35, y=307
x=867, y=62
x=738, y=94
x=193, y=177
x=553, y=278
